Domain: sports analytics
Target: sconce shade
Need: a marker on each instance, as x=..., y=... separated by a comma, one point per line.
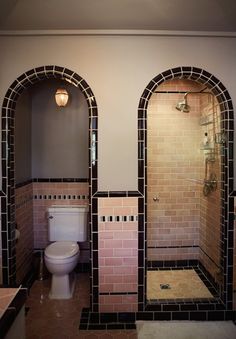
x=61, y=97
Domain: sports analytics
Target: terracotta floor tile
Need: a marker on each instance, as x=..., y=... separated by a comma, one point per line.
x=59, y=319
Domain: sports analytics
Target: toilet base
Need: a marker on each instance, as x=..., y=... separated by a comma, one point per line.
x=62, y=286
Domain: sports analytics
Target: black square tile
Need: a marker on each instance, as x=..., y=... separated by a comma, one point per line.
x=201, y=315
x=162, y=315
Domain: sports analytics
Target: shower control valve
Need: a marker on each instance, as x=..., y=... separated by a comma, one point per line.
x=156, y=199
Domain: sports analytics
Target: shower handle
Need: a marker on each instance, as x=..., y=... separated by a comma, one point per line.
x=156, y=199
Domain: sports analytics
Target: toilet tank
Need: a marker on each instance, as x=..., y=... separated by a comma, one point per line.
x=68, y=223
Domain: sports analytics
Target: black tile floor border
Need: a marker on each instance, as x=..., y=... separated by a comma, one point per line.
x=202, y=309
x=127, y=320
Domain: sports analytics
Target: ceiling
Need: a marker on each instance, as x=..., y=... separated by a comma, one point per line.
x=170, y=15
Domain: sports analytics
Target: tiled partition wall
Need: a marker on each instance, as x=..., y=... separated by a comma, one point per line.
x=118, y=254
x=24, y=224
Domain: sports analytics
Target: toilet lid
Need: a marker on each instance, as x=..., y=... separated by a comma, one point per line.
x=62, y=249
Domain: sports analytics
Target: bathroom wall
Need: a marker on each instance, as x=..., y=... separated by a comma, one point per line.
x=23, y=192
x=174, y=171
x=23, y=138
x=24, y=224
x=59, y=134
x=50, y=193
x=118, y=68
x=183, y=224
x=46, y=134
x=118, y=254
x=210, y=206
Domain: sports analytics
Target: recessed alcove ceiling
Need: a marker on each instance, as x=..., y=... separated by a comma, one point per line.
x=167, y=15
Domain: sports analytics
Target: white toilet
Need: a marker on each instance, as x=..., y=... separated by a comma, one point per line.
x=67, y=226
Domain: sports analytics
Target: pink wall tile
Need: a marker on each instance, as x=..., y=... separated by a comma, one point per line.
x=24, y=223
x=40, y=205
x=118, y=244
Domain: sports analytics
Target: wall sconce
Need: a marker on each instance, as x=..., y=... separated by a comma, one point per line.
x=61, y=97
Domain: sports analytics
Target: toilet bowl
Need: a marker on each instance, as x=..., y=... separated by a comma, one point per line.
x=61, y=258
x=67, y=225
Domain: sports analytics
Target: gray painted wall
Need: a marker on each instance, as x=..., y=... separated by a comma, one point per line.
x=51, y=142
x=59, y=134
x=23, y=138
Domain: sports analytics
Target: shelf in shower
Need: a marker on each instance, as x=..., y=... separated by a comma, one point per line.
x=205, y=121
x=209, y=147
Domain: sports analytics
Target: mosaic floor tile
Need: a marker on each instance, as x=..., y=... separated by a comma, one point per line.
x=183, y=284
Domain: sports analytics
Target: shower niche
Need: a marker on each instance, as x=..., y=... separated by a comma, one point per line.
x=185, y=155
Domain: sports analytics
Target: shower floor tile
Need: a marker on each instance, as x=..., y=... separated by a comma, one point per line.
x=180, y=284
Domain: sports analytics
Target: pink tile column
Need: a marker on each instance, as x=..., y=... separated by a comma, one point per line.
x=117, y=253
x=24, y=224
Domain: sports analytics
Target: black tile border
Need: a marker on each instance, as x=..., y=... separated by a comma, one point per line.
x=51, y=180
x=227, y=206
x=127, y=320
x=8, y=181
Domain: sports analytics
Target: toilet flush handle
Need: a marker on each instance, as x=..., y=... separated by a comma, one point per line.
x=50, y=217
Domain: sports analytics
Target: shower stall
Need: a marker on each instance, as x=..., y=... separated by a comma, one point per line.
x=185, y=142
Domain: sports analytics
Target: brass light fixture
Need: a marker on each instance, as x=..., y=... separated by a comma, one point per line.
x=61, y=97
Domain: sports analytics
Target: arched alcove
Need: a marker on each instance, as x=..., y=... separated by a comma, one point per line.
x=23, y=82
x=215, y=86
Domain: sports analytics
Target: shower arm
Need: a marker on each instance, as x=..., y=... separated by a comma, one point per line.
x=185, y=92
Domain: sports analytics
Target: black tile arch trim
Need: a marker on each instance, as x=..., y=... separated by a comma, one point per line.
x=226, y=106
x=25, y=80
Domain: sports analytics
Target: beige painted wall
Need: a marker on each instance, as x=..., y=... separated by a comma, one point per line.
x=118, y=68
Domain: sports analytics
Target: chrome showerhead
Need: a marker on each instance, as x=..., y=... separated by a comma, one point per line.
x=183, y=105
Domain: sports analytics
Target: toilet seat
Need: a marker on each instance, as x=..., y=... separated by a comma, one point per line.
x=62, y=250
